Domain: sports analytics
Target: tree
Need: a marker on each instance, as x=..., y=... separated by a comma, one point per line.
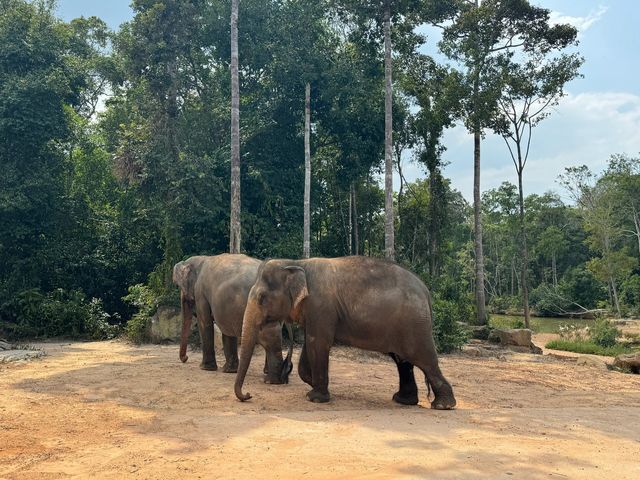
x=478, y=37
x=530, y=89
x=596, y=198
x=389, y=244
x=306, y=249
x=235, y=227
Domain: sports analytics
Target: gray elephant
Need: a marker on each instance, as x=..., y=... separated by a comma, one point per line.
x=364, y=302
x=218, y=287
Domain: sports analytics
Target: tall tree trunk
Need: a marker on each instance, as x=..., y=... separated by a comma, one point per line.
x=477, y=219
x=234, y=236
x=306, y=248
x=554, y=270
x=356, y=235
x=350, y=233
x=616, y=301
x=525, y=252
x=389, y=244
x=636, y=222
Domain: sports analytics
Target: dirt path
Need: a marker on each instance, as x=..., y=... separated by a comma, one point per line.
x=111, y=410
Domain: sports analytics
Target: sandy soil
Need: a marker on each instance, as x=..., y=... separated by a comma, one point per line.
x=112, y=410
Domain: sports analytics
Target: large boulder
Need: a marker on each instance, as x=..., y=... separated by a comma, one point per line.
x=515, y=339
x=166, y=327
x=629, y=361
x=518, y=337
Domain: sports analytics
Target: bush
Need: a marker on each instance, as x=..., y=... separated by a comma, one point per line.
x=603, y=333
x=34, y=314
x=143, y=298
x=447, y=333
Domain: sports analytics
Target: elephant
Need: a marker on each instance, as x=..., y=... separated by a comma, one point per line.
x=218, y=286
x=364, y=302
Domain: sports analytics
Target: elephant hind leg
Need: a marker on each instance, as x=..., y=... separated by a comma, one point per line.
x=230, y=346
x=407, y=393
x=444, y=398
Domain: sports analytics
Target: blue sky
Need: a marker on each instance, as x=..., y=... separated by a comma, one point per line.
x=599, y=116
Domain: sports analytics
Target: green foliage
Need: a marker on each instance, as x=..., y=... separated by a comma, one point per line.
x=447, y=332
x=587, y=347
x=144, y=300
x=604, y=333
x=59, y=313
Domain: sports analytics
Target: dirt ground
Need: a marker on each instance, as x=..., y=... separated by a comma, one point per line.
x=112, y=410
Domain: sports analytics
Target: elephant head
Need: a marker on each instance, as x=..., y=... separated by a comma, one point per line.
x=184, y=276
x=276, y=297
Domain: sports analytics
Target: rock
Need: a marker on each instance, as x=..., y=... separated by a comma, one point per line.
x=474, y=351
x=17, y=355
x=591, y=361
x=480, y=332
x=519, y=337
x=535, y=349
x=630, y=361
x=5, y=345
x=166, y=327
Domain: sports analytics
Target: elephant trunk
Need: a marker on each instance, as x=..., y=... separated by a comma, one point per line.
x=287, y=365
x=187, y=313
x=249, y=339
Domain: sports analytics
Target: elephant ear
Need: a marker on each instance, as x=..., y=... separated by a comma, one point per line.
x=296, y=283
x=184, y=276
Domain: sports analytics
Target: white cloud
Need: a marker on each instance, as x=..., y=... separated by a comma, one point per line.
x=584, y=129
x=581, y=23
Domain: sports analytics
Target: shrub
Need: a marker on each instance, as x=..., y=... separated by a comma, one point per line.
x=604, y=333
x=143, y=298
x=32, y=313
x=447, y=333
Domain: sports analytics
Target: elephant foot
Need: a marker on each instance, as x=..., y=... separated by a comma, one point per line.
x=406, y=399
x=318, y=397
x=209, y=366
x=443, y=403
x=230, y=367
x=272, y=380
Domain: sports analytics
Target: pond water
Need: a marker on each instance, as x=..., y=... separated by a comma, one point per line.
x=538, y=324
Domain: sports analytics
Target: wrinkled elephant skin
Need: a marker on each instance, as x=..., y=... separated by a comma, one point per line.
x=363, y=302
x=217, y=287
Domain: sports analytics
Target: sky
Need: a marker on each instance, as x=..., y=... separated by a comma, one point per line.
x=599, y=116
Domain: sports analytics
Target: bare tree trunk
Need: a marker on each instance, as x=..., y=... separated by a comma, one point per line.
x=525, y=252
x=306, y=248
x=616, y=301
x=513, y=268
x=389, y=244
x=235, y=227
x=350, y=235
x=636, y=222
x=554, y=269
x=356, y=235
x=477, y=218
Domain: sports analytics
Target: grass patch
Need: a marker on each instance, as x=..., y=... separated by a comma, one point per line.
x=588, y=347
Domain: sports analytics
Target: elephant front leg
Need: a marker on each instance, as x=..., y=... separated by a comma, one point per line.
x=304, y=369
x=230, y=346
x=407, y=394
x=318, y=354
x=205, y=326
